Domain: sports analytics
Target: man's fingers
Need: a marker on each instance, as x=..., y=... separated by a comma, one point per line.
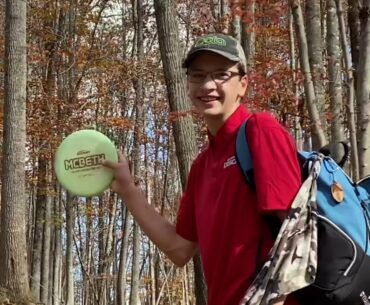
x=114, y=165
x=121, y=157
x=109, y=164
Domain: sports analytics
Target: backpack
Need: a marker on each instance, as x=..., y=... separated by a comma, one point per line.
x=343, y=226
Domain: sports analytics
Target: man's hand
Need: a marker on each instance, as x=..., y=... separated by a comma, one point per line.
x=123, y=180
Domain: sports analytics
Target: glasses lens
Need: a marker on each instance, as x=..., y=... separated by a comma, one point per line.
x=221, y=75
x=217, y=76
x=196, y=77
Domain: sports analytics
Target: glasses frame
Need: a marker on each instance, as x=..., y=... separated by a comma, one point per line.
x=213, y=76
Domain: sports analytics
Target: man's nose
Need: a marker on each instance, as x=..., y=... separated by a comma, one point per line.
x=209, y=82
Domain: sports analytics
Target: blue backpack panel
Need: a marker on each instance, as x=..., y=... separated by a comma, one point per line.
x=343, y=271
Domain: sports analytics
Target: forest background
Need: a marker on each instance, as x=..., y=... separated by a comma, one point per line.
x=115, y=65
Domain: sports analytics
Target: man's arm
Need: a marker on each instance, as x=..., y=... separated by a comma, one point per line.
x=160, y=231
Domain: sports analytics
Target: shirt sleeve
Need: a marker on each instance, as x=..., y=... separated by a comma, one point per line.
x=275, y=161
x=186, y=221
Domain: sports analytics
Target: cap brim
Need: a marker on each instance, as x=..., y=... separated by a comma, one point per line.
x=193, y=54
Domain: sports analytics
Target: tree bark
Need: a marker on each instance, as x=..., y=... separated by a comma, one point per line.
x=354, y=32
x=363, y=90
x=184, y=135
x=137, y=162
x=351, y=91
x=334, y=74
x=175, y=81
x=45, y=262
x=248, y=36
x=13, y=256
x=317, y=129
x=315, y=56
x=57, y=260
x=121, y=281
x=70, y=215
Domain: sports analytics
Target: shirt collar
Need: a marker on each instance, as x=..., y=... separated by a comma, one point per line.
x=230, y=126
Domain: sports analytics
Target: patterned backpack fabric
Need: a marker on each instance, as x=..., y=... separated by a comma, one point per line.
x=322, y=251
x=292, y=261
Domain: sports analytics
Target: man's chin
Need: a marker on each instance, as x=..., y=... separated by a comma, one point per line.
x=211, y=112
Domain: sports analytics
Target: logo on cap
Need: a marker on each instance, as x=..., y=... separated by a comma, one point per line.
x=212, y=40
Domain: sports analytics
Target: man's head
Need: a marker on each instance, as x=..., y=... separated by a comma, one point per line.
x=216, y=76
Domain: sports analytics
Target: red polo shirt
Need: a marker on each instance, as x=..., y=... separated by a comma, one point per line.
x=222, y=213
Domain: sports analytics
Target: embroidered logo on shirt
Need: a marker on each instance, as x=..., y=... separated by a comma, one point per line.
x=230, y=161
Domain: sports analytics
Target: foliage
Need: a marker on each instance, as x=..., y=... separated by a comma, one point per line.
x=82, y=72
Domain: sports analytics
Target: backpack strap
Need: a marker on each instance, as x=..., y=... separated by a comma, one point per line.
x=245, y=162
x=243, y=154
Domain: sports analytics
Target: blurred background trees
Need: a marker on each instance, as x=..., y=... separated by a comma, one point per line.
x=115, y=65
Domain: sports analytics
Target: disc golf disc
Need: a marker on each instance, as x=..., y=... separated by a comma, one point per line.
x=78, y=162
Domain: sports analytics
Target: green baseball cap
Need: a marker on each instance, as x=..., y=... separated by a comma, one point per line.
x=221, y=44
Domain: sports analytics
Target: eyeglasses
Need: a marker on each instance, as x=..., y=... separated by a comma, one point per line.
x=198, y=77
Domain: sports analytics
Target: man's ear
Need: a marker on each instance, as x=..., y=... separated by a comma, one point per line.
x=244, y=85
x=245, y=78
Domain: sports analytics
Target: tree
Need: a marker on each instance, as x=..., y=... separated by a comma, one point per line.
x=315, y=55
x=177, y=98
x=13, y=257
x=363, y=90
x=137, y=162
x=349, y=79
x=334, y=73
x=311, y=101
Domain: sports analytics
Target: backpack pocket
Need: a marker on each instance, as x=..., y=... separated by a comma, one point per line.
x=339, y=254
x=343, y=273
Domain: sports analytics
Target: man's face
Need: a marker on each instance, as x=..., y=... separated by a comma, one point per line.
x=216, y=95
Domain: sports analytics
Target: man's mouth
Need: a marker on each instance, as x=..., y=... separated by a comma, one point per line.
x=206, y=99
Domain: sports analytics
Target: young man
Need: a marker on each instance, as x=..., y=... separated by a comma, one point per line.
x=219, y=213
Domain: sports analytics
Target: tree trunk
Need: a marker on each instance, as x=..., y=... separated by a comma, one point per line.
x=248, y=39
x=354, y=32
x=70, y=217
x=334, y=74
x=137, y=162
x=175, y=81
x=45, y=262
x=152, y=258
x=317, y=130
x=293, y=67
x=37, y=240
x=363, y=90
x=13, y=256
x=315, y=55
x=121, y=281
x=57, y=260
x=88, y=257
x=351, y=91
x=236, y=21
x=184, y=135
x=44, y=199
x=102, y=255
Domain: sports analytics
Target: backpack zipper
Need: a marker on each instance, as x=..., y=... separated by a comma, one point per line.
x=346, y=236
